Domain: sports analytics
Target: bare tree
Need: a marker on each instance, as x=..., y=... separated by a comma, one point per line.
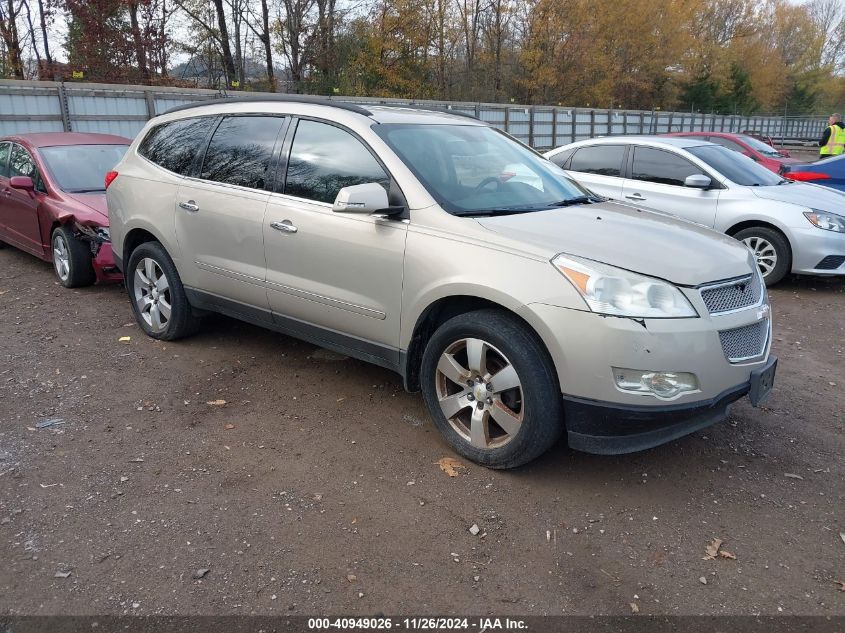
x=9, y=12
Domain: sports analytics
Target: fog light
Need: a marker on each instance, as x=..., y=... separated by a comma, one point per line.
x=663, y=384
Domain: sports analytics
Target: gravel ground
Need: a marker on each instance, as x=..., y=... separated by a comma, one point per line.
x=315, y=488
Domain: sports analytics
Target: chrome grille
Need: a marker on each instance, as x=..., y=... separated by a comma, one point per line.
x=732, y=295
x=746, y=342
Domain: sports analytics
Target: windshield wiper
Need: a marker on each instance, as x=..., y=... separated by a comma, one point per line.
x=578, y=200
x=786, y=181
x=98, y=190
x=490, y=212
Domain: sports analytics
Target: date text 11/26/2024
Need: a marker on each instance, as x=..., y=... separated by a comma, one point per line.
x=417, y=624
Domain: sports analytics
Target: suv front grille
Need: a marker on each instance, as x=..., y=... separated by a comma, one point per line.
x=732, y=295
x=746, y=342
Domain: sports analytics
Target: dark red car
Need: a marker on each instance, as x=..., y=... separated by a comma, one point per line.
x=53, y=201
x=758, y=150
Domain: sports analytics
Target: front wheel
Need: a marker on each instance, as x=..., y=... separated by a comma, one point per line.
x=771, y=251
x=158, y=298
x=71, y=259
x=491, y=389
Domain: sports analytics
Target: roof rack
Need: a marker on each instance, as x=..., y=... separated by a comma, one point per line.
x=273, y=98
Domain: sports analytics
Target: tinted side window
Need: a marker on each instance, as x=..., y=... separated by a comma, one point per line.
x=560, y=159
x=174, y=145
x=324, y=159
x=605, y=160
x=727, y=143
x=4, y=159
x=241, y=149
x=21, y=163
x=656, y=165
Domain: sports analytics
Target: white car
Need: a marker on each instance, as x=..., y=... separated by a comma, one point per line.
x=790, y=226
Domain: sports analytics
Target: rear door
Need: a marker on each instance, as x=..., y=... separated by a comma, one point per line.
x=657, y=182
x=20, y=208
x=599, y=168
x=220, y=213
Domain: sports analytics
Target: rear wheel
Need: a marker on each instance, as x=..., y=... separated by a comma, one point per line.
x=771, y=251
x=491, y=389
x=71, y=259
x=157, y=295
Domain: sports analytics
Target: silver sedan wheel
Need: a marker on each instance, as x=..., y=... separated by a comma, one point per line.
x=61, y=256
x=765, y=253
x=151, y=290
x=480, y=393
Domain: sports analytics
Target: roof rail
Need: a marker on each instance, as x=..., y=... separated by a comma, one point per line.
x=273, y=98
x=426, y=108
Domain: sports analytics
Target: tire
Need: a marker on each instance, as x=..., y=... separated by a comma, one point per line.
x=531, y=413
x=157, y=295
x=72, y=259
x=768, y=244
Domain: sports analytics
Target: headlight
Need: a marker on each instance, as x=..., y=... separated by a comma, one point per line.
x=826, y=221
x=611, y=290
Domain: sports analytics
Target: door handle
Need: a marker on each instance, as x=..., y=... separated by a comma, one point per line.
x=284, y=226
x=190, y=206
x=636, y=196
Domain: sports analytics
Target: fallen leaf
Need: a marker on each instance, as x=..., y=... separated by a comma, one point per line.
x=841, y=584
x=725, y=554
x=351, y=577
x=450, y=466
x=793, y=476
x=634, y=608
x=216, y=403
x=712, y=550
x=229, y=427
x=61, y=574
x=124, y=339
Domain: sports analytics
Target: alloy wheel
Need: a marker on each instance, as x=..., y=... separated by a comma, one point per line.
x=764, y=252
x=480, y=393
x=151, y=291
x=61, y=256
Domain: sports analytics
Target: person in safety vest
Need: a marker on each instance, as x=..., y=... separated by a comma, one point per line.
x=832, y=142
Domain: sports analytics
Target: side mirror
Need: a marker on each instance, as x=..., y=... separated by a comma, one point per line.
x=22, y=182
x=367, y=198
x=697, y=181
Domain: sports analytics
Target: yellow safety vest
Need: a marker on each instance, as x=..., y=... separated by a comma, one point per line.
x=835, y=144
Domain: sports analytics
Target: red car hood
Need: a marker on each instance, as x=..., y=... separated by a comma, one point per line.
x=96, y=202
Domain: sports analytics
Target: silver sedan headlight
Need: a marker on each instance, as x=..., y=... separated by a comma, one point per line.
x=825, y=220
x=614, y=291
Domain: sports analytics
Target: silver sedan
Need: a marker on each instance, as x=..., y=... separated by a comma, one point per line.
x=790, y=226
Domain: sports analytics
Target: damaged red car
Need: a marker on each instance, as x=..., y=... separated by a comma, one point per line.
x=53, y=202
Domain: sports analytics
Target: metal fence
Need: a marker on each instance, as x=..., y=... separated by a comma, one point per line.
x=46, y=106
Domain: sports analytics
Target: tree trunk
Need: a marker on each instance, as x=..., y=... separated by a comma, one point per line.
x=9, y=32
x=43, y=19
x=140, y=49
x=268, y=48
x=228, y=62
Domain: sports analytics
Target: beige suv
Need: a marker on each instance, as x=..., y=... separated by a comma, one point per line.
x=432, y=244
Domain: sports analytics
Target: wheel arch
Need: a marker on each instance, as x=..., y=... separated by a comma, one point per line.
x=438, y=312
x=748, y=224
x=134, y=238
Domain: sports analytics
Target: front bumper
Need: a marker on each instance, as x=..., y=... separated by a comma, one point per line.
x=104, y=265
x=811, y=246
x=608, y=429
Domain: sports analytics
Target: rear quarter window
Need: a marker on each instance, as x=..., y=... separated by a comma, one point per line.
x=174, y=145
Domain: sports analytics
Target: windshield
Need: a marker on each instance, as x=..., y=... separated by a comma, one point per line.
x=735, y=166
x=764, y=148
x=477, y=170
x=81, y=168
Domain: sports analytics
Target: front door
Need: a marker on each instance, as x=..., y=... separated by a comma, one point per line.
x=220, y=214
x=19, y=207
x=657, y=182
x=336, y=271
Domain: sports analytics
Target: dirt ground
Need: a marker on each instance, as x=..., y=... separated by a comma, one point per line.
x=315, y=488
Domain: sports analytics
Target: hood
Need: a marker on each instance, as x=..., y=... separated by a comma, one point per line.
x=652, y=244
x=95, y=202
x=804, y=194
